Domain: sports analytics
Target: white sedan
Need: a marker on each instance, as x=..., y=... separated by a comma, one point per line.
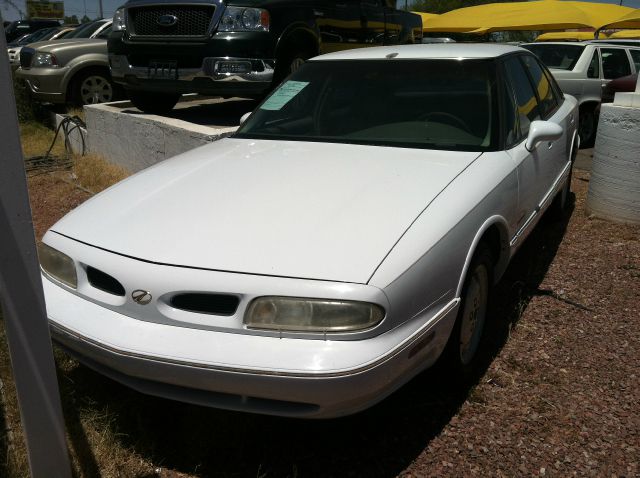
x=345, y=238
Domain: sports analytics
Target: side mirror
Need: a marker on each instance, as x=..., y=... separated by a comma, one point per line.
x=542, y=131
x=244, y=117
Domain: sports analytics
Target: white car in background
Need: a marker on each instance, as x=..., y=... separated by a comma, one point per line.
x=583, y=69
x=343, y=240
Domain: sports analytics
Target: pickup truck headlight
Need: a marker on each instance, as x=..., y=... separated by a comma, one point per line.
x=44, y=59
x=118, y=21
x=241, y=19
x=311, y=315
x=57, y=265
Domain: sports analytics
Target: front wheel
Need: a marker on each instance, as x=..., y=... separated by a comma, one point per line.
x=92, y=87
x=466, y=338
x=290, y=61
x=153, y=103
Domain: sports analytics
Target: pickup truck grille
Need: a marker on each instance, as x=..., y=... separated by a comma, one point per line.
x=26, y=55
x=193, y=20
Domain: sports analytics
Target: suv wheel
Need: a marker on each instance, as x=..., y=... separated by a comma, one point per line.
x=92, y=87
x=154, y=103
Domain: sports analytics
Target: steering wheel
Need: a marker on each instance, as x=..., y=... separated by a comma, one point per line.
x=449, y=119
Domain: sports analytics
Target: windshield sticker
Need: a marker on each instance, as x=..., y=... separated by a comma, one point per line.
x=283, y=95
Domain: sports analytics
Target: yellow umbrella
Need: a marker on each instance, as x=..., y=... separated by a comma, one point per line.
x=630, y=20
x=625, y=34
x=426, y=17
x=568, y=36
x=534, y=15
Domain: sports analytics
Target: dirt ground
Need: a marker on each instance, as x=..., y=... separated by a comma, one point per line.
x=558, y=393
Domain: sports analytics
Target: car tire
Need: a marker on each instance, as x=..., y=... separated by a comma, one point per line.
x=467, y=337
x=91, y=87
x=587, y=126
x=153, y=103
x=289, y=62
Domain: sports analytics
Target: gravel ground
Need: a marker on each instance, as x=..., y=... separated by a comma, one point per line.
x=558, y=393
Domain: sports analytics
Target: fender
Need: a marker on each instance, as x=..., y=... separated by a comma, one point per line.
x=79, y=64
x=502, y=261
x=295, y=28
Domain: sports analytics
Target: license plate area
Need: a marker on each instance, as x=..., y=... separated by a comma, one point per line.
x=164, y=70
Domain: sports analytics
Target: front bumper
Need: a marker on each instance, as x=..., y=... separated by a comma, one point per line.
x=303, y=378
x=45, y=84
x=206, y=79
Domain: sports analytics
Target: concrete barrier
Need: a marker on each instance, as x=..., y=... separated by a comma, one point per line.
x=133, y=140
x=614, y=187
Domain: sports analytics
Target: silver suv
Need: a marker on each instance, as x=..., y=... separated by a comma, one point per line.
x=583, y=69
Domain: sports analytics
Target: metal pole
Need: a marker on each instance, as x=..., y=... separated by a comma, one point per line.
x=100, y=9
x=23, y=306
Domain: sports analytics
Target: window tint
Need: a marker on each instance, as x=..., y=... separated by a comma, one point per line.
x=615, y=63
x=594, y=66
x=548, y=102
x=560, y=57
x=527, y=103
x=635, y=56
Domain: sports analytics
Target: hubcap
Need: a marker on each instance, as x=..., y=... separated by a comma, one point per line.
x=295, y=64
x=475, y=308
x=95, y=89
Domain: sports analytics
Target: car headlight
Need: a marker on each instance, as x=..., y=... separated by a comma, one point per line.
x=241, y=19
x=118, y=24
x=57, y=265
x=311, y=315
x=44, y=59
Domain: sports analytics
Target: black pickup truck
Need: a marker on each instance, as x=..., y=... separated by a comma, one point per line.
x=159, y=49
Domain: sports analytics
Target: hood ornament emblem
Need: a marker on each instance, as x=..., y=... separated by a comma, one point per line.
x=141, y=297
x=167, y=20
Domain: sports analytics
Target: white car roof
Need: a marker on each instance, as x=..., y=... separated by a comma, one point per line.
x=424, y=51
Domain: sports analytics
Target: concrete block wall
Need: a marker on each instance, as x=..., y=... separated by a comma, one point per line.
x=135, y=141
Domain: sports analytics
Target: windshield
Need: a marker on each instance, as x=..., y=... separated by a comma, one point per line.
x=560, y=57
x=37, y=36
x=440, y=104
x=85, y=31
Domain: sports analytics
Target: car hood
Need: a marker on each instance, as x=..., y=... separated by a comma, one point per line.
x=284, y=208
x=57, y=46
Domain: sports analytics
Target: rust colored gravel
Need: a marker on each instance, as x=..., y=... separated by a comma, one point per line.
x=558, y=395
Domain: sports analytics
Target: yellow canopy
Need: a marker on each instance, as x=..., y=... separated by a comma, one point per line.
x=625, y=34
x=629, y=20
x=568, y=36
x=426, y=17
x=534, y=15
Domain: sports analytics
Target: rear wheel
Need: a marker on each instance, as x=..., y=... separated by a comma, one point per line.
x=154, y=103
x=466, y=338
x=587, y=126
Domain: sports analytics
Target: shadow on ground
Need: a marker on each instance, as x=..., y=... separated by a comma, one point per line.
x=381, y=441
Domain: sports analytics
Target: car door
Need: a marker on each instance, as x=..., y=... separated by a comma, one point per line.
x=373, y=22
x=340, y=25
x=534, y=168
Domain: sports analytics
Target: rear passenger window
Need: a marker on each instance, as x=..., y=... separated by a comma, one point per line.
x=548, y=102
x=635, y=57
x=615, y=63
x=594, y=66
x=526, y=101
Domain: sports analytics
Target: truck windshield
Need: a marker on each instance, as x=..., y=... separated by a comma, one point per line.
x=438, y=104
x=560, y=57
x=86, y=30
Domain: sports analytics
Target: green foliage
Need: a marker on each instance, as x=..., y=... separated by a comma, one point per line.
x=29, y=109
x=72, y=20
